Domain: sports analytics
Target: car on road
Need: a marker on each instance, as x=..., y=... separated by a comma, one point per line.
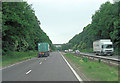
x=66, y=51
x=70, y=50
x=77, y=51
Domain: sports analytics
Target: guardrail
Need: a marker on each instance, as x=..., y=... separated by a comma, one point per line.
x=100, y=58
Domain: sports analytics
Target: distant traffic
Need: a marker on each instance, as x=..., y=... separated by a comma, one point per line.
x=100, y=47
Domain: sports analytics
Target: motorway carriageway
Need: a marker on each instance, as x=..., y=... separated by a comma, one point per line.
x=51, y=68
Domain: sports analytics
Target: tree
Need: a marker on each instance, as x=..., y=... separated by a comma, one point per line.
x=20, y=28
x=105, y=25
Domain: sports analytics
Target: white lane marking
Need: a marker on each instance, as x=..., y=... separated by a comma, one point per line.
x=77, y=76
x=28, y=72
x=45, y=59
x=17, y=63
x=40, y=62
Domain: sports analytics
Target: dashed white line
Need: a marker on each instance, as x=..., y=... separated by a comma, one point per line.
x=28, y=72
x=40, y=62
x=45, y=59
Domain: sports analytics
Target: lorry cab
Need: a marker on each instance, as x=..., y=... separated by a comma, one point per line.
x=107, y=48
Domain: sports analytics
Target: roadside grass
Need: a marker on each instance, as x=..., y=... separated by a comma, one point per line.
x=17, y=57
x=95, y=71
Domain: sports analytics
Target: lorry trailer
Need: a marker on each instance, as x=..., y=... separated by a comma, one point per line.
x=43, y=49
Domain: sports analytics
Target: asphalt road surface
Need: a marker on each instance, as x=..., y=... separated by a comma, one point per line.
x=52, y=68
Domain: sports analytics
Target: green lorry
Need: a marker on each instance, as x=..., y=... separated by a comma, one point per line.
x=43, y=49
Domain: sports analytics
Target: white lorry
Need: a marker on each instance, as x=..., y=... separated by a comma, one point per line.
x=103, y=47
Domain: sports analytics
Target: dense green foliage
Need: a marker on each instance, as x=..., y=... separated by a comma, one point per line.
x=105, y=25
x=21, y=29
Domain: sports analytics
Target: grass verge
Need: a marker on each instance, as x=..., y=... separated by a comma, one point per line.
x=94, y=71
x=17, y=57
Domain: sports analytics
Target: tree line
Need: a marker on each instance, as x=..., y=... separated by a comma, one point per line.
x=21, y=29
x=105, y=25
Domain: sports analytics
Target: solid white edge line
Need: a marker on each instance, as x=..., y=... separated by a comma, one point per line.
x=77, y=76
x=28, y=72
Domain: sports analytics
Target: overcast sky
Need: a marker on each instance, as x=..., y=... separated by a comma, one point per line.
x=61, y=20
